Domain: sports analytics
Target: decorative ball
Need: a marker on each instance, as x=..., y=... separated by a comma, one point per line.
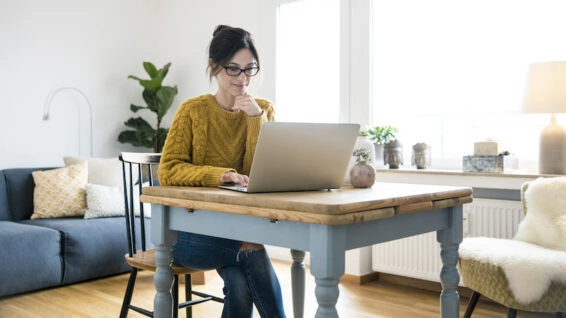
x=362, y=175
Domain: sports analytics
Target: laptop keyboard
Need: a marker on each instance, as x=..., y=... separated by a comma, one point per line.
x=240, y=188
x=235, y=187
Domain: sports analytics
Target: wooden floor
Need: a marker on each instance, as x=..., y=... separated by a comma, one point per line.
x=103, y=298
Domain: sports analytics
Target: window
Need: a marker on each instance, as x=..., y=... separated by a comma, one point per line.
x=450, y=73
x=308, y=61
x=445, y=72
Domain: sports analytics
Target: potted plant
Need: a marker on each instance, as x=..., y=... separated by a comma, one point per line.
x=159, y=99
x=363, y=142
x=381, y=135
x=362, y=174
x=363, y=133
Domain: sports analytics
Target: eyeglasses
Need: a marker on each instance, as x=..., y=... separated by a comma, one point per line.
x=236, y=71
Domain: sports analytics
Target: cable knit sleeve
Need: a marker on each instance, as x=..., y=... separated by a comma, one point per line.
x=177, y=166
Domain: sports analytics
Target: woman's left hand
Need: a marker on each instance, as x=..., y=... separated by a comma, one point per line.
x=247, y=104
x=234, y=177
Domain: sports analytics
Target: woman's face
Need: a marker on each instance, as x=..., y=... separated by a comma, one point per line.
x=236, y=85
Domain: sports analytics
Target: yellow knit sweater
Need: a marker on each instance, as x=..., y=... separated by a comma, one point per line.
x=205, y=141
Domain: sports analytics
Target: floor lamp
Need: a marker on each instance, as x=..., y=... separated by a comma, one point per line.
x=48, y=104
x=546, y=93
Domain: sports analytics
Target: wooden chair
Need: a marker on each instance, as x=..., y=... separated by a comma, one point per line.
x=485, y=265
x=138, y=170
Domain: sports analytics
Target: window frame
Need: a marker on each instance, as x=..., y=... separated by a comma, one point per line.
x=356, y=104
x=355, y=78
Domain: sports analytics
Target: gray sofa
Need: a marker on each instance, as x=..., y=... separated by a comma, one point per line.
x=42, y=253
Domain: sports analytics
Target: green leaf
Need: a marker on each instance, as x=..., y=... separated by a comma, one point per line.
x=139, y=123
x=134, y=77
x=143, y=134
x=165, y=96
x=135, y=139
x=151, y=99
x=164, y=70
x=152, y=84
x=135, y=108
x=150, y=69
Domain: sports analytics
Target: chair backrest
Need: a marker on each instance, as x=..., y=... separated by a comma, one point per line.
x=545, y=217
x=137, y=172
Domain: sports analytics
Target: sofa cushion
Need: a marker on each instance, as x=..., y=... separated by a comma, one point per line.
x=103, y=201
x=31, y=258
x=92, y=248
x=19, y=189
x=60, y=192
x=106, y=201
x=104, y=171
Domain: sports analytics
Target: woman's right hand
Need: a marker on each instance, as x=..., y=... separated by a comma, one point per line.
x=234, y=177
x=247, y=104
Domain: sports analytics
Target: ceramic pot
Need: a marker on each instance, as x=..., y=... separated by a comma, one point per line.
x=362, y=175
x=368, y=146
x=379, y=163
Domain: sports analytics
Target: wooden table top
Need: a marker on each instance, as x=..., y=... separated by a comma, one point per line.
x=341, y=206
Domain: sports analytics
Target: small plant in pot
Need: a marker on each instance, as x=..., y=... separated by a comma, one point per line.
x=380, y=136
x=363, y=142
x=362, y=174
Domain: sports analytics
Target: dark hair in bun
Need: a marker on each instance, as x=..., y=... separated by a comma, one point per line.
x=226, y=41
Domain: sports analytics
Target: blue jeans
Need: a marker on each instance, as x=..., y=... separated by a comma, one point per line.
x=248, y=275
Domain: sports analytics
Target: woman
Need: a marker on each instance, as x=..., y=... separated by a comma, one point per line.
x=211, y=141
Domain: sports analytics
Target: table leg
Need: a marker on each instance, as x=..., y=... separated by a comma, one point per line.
x=326, y=292
x=163, y=281
x=328, y=251
x=163, y=240
x=298, y=282
x=450, y=240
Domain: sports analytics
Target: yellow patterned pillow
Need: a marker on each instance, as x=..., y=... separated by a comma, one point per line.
x=60, y=192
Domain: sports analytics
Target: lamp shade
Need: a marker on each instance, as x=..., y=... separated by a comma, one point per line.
x=546, y=88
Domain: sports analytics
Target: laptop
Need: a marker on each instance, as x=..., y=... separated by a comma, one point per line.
x=300, y=157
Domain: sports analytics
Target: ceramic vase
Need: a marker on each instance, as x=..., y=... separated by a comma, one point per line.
x=362, y=142
x=362, y=175
x=368, y=146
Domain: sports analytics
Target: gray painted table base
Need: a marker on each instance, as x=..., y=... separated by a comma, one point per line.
x=327, y=245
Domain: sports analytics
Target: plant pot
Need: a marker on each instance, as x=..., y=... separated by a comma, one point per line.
x=363, y=142
x=379, y=163
x=362, y=175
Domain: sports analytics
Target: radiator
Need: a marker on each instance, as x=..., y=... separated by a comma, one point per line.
x=419, y=256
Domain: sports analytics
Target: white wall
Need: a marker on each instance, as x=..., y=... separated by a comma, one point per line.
x=94, y=46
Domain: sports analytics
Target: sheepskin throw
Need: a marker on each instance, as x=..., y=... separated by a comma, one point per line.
x=536, y=256
x=545, y=221
x=529, y=268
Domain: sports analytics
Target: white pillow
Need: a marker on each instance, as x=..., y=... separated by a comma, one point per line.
x=107, y=201
x=104, y=171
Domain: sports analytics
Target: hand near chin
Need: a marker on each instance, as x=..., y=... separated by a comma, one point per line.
x=235, y=178
x=247, y=104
